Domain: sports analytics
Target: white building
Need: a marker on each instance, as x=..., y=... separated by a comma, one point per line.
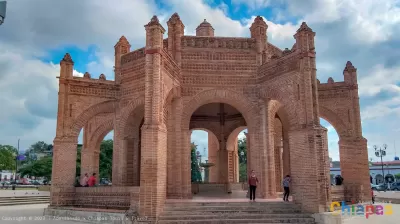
x=6, y=175
x=390, y=169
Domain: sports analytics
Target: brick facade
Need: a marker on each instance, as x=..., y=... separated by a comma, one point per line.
x=220, y=84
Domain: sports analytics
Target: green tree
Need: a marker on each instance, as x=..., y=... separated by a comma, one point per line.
x=7, y=159
x=106, y=152
x=397, y=176
x=38, y=168
x=242, y=152
x=78, y=160
x=10, y=148
x=195, y=168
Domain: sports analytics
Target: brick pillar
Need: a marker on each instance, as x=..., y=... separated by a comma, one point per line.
x=153, y=176
x=354, y=168
x=323, y=167
x=278, y=167
x=268, y=185
x=286, y=154
x=153, y=170
x=119, y=153
x=303, y=159
x=223, y=165
x=174, y=176
x=186, y=165
x=212, y=156
x=133, y=161
x=64, y=169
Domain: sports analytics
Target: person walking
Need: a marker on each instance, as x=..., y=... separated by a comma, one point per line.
x=253, y=180
x=92, y=180
x=84, y=180
x=286, y=184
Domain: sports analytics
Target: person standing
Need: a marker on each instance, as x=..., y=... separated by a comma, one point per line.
x=92, y=180
x=286, y=184
x=253, y=180
x=84, y=180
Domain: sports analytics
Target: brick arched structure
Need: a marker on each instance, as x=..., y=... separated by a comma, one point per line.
x=247, y=79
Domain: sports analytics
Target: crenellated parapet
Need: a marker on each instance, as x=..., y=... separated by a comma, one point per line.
x=234, y=43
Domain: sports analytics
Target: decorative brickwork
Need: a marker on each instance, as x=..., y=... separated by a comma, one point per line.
x=220, y=84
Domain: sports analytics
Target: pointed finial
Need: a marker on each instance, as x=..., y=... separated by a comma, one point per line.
x=102, y=77
x=174, y=19
x=87, y=75
x=67, y=58
x=330, y=80
x=349, y=67
x=304, y=27
x=259, y=21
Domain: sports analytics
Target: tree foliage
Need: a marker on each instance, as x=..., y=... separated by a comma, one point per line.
x=195, y=168
x=12, y=149
x=106, y=152
x=38, y=168
x=7, y=159
x=242, y=153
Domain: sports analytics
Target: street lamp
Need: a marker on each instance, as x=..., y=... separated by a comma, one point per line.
x=3, y=5
x=381, y=152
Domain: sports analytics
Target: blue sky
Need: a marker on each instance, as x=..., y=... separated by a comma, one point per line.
x=367, y=34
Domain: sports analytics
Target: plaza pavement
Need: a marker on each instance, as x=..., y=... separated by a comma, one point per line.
x=20, y=193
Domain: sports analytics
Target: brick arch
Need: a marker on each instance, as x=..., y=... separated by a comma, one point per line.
x=86, y=115
x=101, y=132
x=234, y=99
x=203, y=129
x=127, y=111
x=234, y=134
x=278, y=103
x=334, y=119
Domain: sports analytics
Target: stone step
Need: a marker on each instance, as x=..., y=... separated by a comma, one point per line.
x=236, y=221
x=232, y=208
x=239, y=215
x=245, y=211
x=231, y=203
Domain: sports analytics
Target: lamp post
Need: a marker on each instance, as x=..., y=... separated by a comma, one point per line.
x=3, y=5
x=381, y=152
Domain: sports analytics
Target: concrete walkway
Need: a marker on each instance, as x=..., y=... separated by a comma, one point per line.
x=20, y=193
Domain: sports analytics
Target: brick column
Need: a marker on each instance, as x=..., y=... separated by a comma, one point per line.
x=286, y=154
x=303, y=159
x=212, y=156
x=153, y=170
x=63, y=171
x=186, y=165
x=223, y=165
x=174, y=176
x=354, y=168
x=323, y=168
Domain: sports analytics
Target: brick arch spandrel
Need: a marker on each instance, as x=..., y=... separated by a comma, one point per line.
x=235, y=99
x=334, y=119
x=280, y=103
x=86, y=115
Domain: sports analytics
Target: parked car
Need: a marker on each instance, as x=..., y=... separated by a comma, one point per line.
x=374, y=187
x=382, y=187
x=395, y=186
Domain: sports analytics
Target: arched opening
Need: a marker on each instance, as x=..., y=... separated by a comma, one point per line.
x=94, y=151
x=333, y=150
x=219, y=145
x=131, y=147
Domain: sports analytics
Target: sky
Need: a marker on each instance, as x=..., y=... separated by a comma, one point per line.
x=36, y=35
